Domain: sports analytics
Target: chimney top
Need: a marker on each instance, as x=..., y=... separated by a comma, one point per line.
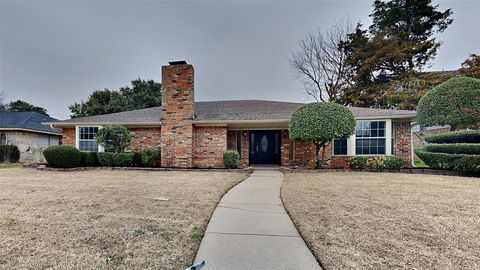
x=181, y=62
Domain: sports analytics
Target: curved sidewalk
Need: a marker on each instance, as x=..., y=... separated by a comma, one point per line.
x=250, y=229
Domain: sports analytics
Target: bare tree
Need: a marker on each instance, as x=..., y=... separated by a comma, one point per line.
x=320, y=63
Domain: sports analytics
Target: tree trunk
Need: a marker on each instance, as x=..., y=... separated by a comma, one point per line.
x=453, y=127
x=318, y=146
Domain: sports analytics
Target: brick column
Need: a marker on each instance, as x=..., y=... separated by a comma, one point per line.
x=177, y=115
x=403, y=142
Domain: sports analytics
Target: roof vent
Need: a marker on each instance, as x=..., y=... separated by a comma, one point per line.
x=181, y=62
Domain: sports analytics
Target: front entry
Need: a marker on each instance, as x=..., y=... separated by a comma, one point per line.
x=264, y=147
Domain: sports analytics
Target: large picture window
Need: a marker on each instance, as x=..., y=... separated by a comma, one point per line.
x=370, y=138
x=86, y=140
x=340, y=147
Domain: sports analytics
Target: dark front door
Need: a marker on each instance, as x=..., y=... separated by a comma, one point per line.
x=265, y=147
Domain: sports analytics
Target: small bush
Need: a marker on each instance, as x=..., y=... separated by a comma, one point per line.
x=438, y=160
x=231, y=159
x=468, y=165
x=137, y=159
x=458, y=148
x=111, y=159
x=150, y=157
x=394, y=163
x=462, y=136
x=9, y=153
x=378, y=163
x=88, y=159
x=358, y=163
x=62, y=156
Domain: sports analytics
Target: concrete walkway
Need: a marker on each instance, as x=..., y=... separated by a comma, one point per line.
x=250, y=229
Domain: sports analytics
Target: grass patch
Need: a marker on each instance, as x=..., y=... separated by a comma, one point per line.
x=419, y=164
x=387, y=221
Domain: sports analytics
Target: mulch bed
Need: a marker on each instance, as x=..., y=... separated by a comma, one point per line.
x=405, y=170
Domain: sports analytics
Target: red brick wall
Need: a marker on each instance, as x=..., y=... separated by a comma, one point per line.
x=143, y=138
x=209, y=144
x=403, y=141
x=68, y=136
x=232, y=145
x=177, y=116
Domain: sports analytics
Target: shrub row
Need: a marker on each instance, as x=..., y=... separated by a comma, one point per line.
x=465, y=164
x=456, y=148
x=462, y=136
x=377, y=163
x=9, y=153
x=64, y=156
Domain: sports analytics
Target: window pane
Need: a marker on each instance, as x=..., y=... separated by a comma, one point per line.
x=340, y=147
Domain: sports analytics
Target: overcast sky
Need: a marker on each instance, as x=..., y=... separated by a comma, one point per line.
x=55, y=53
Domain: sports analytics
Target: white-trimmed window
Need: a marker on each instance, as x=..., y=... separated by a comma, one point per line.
x=370, y=138
x=86, y=139
x=340, y=147
x=3, y=138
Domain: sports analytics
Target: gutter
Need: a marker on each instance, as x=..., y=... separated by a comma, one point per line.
x=31, y=130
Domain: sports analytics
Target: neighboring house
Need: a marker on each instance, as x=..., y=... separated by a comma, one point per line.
x=196, y=134
x=420, y=134
x=25, y=130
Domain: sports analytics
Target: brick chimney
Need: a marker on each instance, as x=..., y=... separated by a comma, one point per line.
x=177, y=115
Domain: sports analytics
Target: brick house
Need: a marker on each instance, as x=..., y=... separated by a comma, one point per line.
x=195, y=134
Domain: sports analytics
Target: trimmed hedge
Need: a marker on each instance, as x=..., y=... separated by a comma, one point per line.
x=378, y=163
x=468, y=165
x=440, y=161
x=462, y=136
x=459, y=148
x=231, y=159
x=9, y=153
x=62, y=156
x=150, y=157
x=111, y=159
x=358, y=163
x=89, y=159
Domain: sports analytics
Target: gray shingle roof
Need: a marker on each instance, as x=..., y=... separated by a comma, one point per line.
x=232, y=110
x=27, y=120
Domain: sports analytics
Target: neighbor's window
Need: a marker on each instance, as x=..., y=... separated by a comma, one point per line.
x=86, y=141
x=370, y=138
x=3, y=138
x=340, y=146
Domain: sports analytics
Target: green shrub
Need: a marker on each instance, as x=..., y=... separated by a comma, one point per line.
x=9, y=153
x=88, y=159
x=394, y=163
x=150, y=157
x=455, y=102
x=115, y=138
x=438, y=160
x=378, y=163
x=462, y=136
x=137, y=159
x=231, y=159
x=468, y=165
x=62, y=156
x=358, y=163
x=459, y=148
x=111, y=159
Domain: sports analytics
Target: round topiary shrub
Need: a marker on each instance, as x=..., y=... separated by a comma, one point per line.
x=320, y=123
x=62, y=156
x=9, y=153
x=454, y=102
x=231, y=159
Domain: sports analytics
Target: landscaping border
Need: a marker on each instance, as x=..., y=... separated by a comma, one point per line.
x=405, y=170
x=248, y=169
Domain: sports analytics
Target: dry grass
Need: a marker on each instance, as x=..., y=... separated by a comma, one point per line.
x=105, y=219
x=387, y=221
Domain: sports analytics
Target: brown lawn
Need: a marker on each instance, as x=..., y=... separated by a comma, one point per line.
x=387, y=221
x=105, y=219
